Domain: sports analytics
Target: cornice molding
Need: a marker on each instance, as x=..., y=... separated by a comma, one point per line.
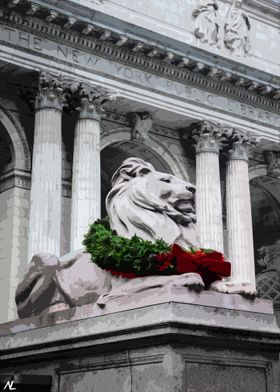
x=141, y=55
x=18, y=179
x=15, y=179
x=266, y=6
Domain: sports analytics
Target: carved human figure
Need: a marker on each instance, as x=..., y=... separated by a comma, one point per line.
x=206, y=27
x=236, y=30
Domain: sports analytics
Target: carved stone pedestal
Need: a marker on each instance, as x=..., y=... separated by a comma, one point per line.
x=184, y=342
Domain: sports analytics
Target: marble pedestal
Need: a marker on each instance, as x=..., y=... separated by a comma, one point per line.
x=185, y=342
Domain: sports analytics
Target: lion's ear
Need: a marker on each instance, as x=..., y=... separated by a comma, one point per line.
x=144, y=171
x=127, y=173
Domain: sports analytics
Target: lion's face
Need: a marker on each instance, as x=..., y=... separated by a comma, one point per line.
x=173, y=193
x=151, y=204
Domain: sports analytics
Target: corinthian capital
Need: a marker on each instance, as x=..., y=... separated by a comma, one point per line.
x=238, y=143
x=92, y=100
x=53, y=91
x=207, y=136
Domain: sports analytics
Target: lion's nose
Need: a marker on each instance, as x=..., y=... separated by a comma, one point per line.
x=190, y=188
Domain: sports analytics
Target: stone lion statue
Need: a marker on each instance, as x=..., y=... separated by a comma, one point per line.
x=142, y=201
x=152, y=205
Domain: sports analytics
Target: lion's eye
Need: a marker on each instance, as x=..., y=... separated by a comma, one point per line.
x=166, y=195
x=165, y=180
x=144, y=171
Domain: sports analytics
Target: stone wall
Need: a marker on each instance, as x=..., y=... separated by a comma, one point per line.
x=168, y=347
x=14, y=213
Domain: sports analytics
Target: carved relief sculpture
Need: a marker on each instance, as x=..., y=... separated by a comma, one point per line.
x=141, y=124
x=273, y=163
x=236, y=30
x=206, y=27
x=268, y=280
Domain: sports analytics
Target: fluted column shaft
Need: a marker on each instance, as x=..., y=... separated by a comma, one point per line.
x=208, y=187
x=86, y=185
x=45, y=199
x=239, y=216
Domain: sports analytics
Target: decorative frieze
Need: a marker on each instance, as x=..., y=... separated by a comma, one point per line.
x=236, y=27
x=257, y=157
x=166, y=132
x=71, y=20
x=114, y=117
x=125, y=50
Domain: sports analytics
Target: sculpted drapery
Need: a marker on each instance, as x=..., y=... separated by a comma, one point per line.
x=236, y=29
x=206, y=28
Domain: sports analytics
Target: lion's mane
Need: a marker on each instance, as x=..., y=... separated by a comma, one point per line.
x=134, y=206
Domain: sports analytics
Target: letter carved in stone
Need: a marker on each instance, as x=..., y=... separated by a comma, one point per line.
x=206, y=27
x=236, y=30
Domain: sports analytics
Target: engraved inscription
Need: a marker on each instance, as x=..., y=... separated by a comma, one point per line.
x=134, y=76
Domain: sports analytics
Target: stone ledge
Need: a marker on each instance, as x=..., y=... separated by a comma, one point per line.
x=92, y=326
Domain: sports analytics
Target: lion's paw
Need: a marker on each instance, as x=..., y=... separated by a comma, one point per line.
x=244, y=288
x=190, y=280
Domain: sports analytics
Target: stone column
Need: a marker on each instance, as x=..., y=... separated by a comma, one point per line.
x=45, y=199
x=208, y=187
x=239, y=216
x=86, y=181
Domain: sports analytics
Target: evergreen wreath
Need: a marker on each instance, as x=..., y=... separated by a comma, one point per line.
x=135, y=257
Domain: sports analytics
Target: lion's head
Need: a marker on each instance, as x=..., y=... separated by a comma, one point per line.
x=151, y=204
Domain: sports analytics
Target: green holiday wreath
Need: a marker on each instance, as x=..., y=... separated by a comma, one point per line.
x=135, y=257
